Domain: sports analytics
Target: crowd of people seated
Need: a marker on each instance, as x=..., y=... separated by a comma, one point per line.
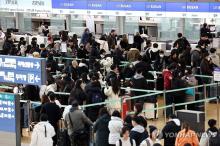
x=97, y=75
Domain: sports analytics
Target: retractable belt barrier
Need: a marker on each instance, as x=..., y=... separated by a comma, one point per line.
x=140, y=96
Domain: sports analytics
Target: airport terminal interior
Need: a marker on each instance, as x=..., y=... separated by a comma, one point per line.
x=109, y=72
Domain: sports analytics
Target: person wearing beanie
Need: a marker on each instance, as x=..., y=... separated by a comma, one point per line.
x=152, y=139
x=76, y=121
x=170, y=129
x=214, y=57
x=138, y=133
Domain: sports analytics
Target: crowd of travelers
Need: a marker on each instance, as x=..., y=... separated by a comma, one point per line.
x=96, y=72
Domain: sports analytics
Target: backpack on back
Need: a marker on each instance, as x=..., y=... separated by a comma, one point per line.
x=120, y=142
x=214, y=140
x=96, y=97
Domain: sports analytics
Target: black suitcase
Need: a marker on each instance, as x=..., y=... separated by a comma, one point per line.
x=199, y=106
x=63, y=138
x=196, y=119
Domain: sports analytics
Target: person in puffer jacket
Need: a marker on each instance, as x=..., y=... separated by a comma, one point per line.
x=212, y=131
x=138, y=133
x=43, y=133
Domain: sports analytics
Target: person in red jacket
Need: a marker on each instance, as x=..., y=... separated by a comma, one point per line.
x=167, y=77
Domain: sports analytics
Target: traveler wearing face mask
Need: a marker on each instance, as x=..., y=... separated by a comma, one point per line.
x=160, y=62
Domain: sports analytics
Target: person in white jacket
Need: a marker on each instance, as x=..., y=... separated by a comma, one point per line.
x=112, y=92
x=115, y=125
x=43, y=133
x=152, y=139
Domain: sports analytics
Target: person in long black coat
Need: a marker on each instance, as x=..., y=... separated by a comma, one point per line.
x=101, y=128
x=178, y=83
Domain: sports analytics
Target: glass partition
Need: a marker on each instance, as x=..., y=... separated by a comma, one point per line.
x=131, y=25
x=7, y=20
x=192, y=28
x=28, y=22
x=78, y=24
x=168, y=28
x=109, y=24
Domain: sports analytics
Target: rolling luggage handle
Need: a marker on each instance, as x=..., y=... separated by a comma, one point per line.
x=92, y=139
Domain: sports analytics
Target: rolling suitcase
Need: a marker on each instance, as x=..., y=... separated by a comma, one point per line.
x=151, y=114
x=62, y=135
x=196, y=119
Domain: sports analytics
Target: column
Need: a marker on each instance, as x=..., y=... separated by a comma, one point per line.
x=68, y=23
x=19, y=21
x=182, y=25
x=120, y=21
x=90, y=23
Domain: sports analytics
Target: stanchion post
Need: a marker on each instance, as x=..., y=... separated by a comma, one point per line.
x=218, y=120
x=205, y=97
x=122, y=111
x=173, y=108
x=165, y=112
x=29, y=115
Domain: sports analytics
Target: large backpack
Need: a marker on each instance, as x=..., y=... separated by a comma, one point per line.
x=214, y=140
x=96, y=97
x=120, y=142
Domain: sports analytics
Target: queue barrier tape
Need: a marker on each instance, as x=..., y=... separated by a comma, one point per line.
x=181, y=104
x=141, y=96
x=68, y=58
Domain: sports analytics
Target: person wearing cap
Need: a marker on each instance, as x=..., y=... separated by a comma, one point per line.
x=75, y=121
x=152, y=139
x=169, y=131
x=54, y=113
x=42, y=133
x=138, y=133
x=214, y=57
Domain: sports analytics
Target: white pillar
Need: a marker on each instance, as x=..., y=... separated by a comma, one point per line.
x=19, y=21
x=120, y=20
x=90, y=23
x=68, y=22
